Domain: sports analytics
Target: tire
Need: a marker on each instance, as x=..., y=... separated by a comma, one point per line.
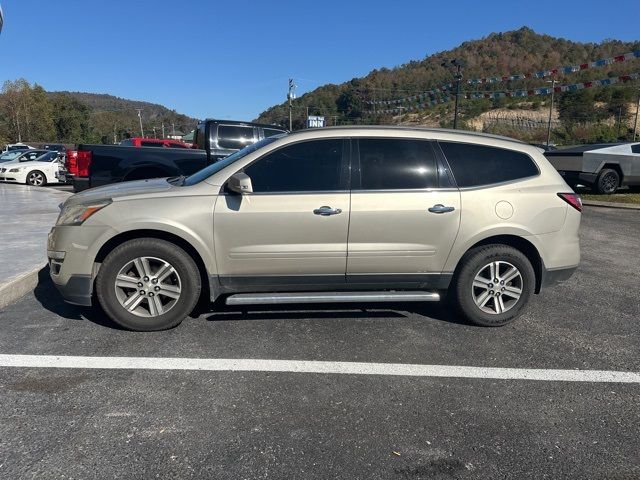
x=608, y=181
x=497, y=308
x=165, y=300
x=36, y=178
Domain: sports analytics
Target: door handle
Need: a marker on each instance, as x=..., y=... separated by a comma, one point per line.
x=326, y=211
x=439, y=208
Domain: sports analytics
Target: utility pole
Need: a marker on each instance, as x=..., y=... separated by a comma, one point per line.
x=173, y=129
x=154, y=132
x=635, y=123
x=457, y=65
x=553, y=90
x=115, y=137
x=619, y=122
x=140, y=118
x=163, y=130
x=290, y=96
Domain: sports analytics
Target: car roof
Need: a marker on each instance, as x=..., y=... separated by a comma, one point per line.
x=398, y=128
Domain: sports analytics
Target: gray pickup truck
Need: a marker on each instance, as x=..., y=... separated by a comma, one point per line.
x=603, y=168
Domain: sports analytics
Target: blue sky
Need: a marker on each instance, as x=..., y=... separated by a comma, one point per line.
x=231, y=59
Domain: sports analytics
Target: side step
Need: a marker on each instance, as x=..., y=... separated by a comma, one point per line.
x=331, y=297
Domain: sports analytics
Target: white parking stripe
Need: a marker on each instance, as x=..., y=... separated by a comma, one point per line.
x=306, y=366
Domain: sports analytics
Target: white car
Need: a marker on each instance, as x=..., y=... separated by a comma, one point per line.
x=37, y=172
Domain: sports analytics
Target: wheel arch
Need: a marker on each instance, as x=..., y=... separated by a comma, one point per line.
x=519, y=243
x=192, y=251
x=617, y=168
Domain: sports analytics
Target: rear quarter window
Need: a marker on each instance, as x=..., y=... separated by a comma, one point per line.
x=475, y=165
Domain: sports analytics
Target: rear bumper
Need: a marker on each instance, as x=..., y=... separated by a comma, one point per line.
x=556, y=275
x=79, y=184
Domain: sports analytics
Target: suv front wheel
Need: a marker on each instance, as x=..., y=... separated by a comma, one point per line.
x=148, y=284
x=493, y=285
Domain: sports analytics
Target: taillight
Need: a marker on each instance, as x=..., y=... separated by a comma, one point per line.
x=572, y=199
x=83, y=159
x=71, y=163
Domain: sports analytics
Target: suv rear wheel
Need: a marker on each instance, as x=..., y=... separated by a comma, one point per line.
x=148, y=284
x=493, y=285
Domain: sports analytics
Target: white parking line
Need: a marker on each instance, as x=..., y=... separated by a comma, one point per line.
x=306, y=366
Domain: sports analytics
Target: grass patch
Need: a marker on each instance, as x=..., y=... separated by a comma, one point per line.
x=625, y=197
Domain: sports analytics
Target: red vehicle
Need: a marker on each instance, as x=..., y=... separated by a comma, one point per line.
x=154, y=142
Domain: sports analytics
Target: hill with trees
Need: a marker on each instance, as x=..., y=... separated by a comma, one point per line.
x=30, y=113
x=585, y=115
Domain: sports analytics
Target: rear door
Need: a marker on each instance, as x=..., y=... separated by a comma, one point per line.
x=405, y=213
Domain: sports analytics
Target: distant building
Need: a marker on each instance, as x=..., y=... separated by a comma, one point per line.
x=176, y=135
x=188, y=138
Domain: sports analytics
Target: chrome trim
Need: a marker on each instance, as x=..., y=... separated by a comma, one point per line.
x=330, y=297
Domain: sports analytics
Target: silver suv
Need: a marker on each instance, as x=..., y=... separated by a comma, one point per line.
x=364, y=214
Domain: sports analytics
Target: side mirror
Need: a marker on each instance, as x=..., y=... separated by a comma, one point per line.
x=240, y=183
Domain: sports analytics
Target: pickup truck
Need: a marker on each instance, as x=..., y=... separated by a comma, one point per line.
x=603, y=167
x=95, y=165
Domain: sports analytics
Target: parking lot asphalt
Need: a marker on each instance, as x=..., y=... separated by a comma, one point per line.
x=79, y=423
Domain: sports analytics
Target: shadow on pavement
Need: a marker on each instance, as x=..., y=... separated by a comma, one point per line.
x=436, y=310
x=47, y=295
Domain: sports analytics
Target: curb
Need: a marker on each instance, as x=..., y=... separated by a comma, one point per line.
x=625, y=206
x=18, y=287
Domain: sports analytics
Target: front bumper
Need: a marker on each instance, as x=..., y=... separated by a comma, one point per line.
x=71, y=251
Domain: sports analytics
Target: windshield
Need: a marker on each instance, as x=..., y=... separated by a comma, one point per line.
x=6, y=157
x=206, y=172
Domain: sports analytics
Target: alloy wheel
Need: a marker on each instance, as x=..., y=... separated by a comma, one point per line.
x=497, y=287
x=36, y=179
x=148, y=287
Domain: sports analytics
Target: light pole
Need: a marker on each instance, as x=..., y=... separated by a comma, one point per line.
x=553, y=89
x=290, y=96
x=140, y=118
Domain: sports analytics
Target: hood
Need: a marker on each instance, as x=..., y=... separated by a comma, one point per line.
x=123, y=189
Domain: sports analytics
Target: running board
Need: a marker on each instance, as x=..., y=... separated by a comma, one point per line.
x=331, y=297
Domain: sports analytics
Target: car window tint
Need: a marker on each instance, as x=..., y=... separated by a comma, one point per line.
x=387, y=164
x=635, y=148
x=234, y=136
x=474, y=165
x=151, y=144
x=303, y=167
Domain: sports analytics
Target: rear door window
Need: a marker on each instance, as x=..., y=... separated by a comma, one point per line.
x=396, y=164
x=474, y=165
x=235, y=136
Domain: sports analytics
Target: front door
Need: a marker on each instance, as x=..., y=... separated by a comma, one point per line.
x=405, y=214
x=292, y=230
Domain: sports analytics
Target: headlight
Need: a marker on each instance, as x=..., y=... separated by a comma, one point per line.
x=77, y=214
x=13, y=170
